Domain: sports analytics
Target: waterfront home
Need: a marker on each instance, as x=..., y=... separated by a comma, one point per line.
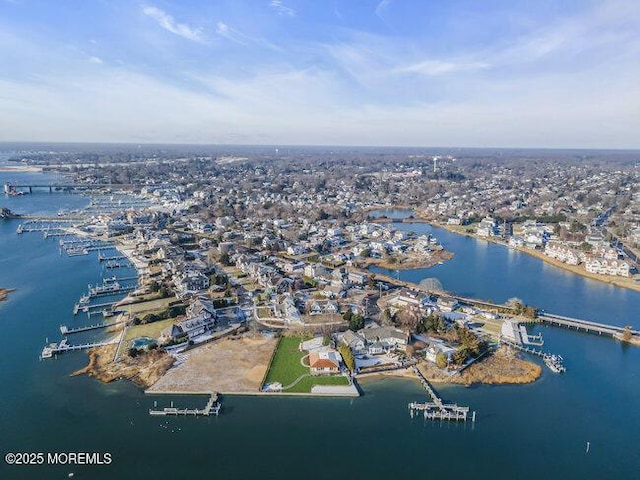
x=603, y=266
x=191, y=327
x=324, y=362
x=354, y=341
x=563, y=253
x=434, y=348
x=447, y=304
x=383, y=339
x=488, y=227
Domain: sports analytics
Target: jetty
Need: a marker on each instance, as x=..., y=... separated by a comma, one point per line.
x=211, y=408
x=437, y=409
x=67, y=331
x=55, y=348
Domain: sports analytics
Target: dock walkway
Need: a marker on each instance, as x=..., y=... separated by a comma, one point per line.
x=211, y=408
x=67, y=331
x=55, y=348
x=437, y=409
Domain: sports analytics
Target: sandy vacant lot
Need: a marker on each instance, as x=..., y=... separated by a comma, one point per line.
x=227, y=366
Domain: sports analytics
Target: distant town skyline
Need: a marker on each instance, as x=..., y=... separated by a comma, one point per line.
x=498, y=73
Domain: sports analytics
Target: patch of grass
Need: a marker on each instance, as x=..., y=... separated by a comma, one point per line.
x=150, y=306
x=264, y=312
x=151, y=330
x=286, y=367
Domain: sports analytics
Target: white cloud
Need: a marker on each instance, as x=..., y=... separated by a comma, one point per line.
x=433, y=68
x=167, y=22
x=96, y=60
x=282, y=9
x=230, y=33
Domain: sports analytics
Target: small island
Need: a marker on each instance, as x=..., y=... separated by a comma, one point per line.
x=4, y=293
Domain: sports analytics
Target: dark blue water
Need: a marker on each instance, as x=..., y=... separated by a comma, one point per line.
x=481, y=269
x=534, y=431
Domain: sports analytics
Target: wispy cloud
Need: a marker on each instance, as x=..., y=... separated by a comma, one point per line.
x=433, y=68
x=282, y=9
x=95, y=60
x=230, y=33
x=381, y=8
x=167, y=22
x=236, y=36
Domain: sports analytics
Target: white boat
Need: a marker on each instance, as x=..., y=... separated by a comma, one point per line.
x=554, y=362
x=106, y=288
x=75, y=251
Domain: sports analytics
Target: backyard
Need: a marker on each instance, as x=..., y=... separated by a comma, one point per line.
x=286, y=367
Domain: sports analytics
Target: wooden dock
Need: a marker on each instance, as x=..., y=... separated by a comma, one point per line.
x=87, y=308
x=55, y=348
x=67, y=331
x=437, y=409
x=211, y=408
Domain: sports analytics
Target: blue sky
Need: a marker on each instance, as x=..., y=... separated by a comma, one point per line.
x=504, y=73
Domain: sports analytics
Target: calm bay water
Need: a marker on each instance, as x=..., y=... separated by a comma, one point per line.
x=533, y=431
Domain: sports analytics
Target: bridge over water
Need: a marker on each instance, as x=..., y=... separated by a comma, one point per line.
x=14, y=188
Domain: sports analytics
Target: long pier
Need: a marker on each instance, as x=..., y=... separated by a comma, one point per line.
x=212, y=407
x=436, y=409
x=63, y=346
x=584, y=325
x=64, y=330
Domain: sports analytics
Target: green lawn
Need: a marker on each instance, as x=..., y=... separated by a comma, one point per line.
x=150, y=306
x=286, y=367
x=151, y=330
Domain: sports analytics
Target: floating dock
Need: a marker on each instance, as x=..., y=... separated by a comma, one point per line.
x=211, y=408
x=436, y=409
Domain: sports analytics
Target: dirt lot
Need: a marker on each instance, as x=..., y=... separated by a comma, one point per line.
x=227, y=366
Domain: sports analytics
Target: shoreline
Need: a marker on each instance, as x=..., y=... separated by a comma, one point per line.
x=411, y=263
x=502, y=367
x=622, y=282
